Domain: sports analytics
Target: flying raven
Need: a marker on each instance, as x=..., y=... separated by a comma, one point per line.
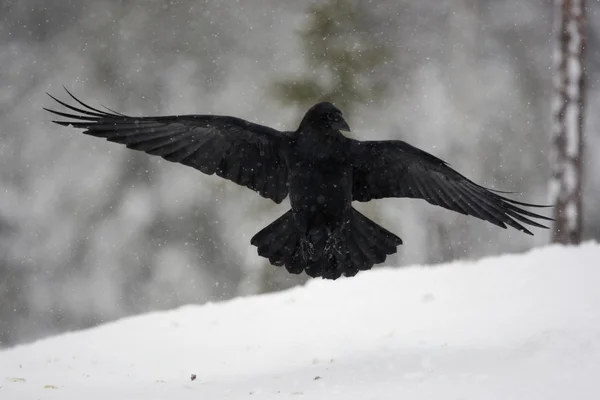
x=322, y=171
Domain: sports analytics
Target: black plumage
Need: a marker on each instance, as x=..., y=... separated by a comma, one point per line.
x=322, y=171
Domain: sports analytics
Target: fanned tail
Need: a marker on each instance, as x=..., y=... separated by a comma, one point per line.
x=356, y=246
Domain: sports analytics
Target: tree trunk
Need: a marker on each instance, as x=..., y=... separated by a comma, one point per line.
x=565, y=187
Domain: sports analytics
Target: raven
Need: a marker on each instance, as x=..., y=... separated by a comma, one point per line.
x=322, y=170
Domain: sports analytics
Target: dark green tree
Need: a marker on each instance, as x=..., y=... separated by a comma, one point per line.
x=345, y=56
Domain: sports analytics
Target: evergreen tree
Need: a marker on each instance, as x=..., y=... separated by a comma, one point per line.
x=344, y=56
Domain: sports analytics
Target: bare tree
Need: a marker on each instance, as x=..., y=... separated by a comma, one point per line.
x=565, y=188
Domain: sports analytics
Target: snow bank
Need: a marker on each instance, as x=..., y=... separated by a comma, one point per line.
x=510, y=327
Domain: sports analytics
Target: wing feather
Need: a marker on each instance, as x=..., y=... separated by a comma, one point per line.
x=393, y=168
x=248, y=154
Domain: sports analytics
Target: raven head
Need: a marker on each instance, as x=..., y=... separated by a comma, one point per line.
x=325, y=116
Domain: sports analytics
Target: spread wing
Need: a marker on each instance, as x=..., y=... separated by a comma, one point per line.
x=248, y=154
x=393, y=168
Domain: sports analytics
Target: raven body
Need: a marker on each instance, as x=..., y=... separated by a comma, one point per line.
x=322, y=171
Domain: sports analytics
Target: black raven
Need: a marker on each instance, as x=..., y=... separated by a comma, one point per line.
x=323, y=172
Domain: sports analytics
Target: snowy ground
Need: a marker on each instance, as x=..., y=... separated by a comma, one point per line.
x=513, y=327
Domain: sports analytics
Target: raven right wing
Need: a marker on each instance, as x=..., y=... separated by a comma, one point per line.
x=248, y=154
x=393, y=168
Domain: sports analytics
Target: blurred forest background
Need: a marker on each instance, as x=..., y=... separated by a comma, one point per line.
x=91, y=231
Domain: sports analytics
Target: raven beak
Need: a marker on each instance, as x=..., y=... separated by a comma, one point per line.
x=341, y=125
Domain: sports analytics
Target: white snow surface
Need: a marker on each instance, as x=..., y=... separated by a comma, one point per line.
x=510, y=327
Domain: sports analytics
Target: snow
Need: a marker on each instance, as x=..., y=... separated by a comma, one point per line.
x=511, y=327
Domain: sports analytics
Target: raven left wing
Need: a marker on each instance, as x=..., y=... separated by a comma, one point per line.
x=393, y=168
x=248, y=154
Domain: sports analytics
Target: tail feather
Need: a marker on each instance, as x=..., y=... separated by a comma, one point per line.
x=280, y=257
x=376, y=235
x=364, y=247
x=359, y=260
x=279, y=242
x=374, y=242
x=275, y=236
x=324, y=252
